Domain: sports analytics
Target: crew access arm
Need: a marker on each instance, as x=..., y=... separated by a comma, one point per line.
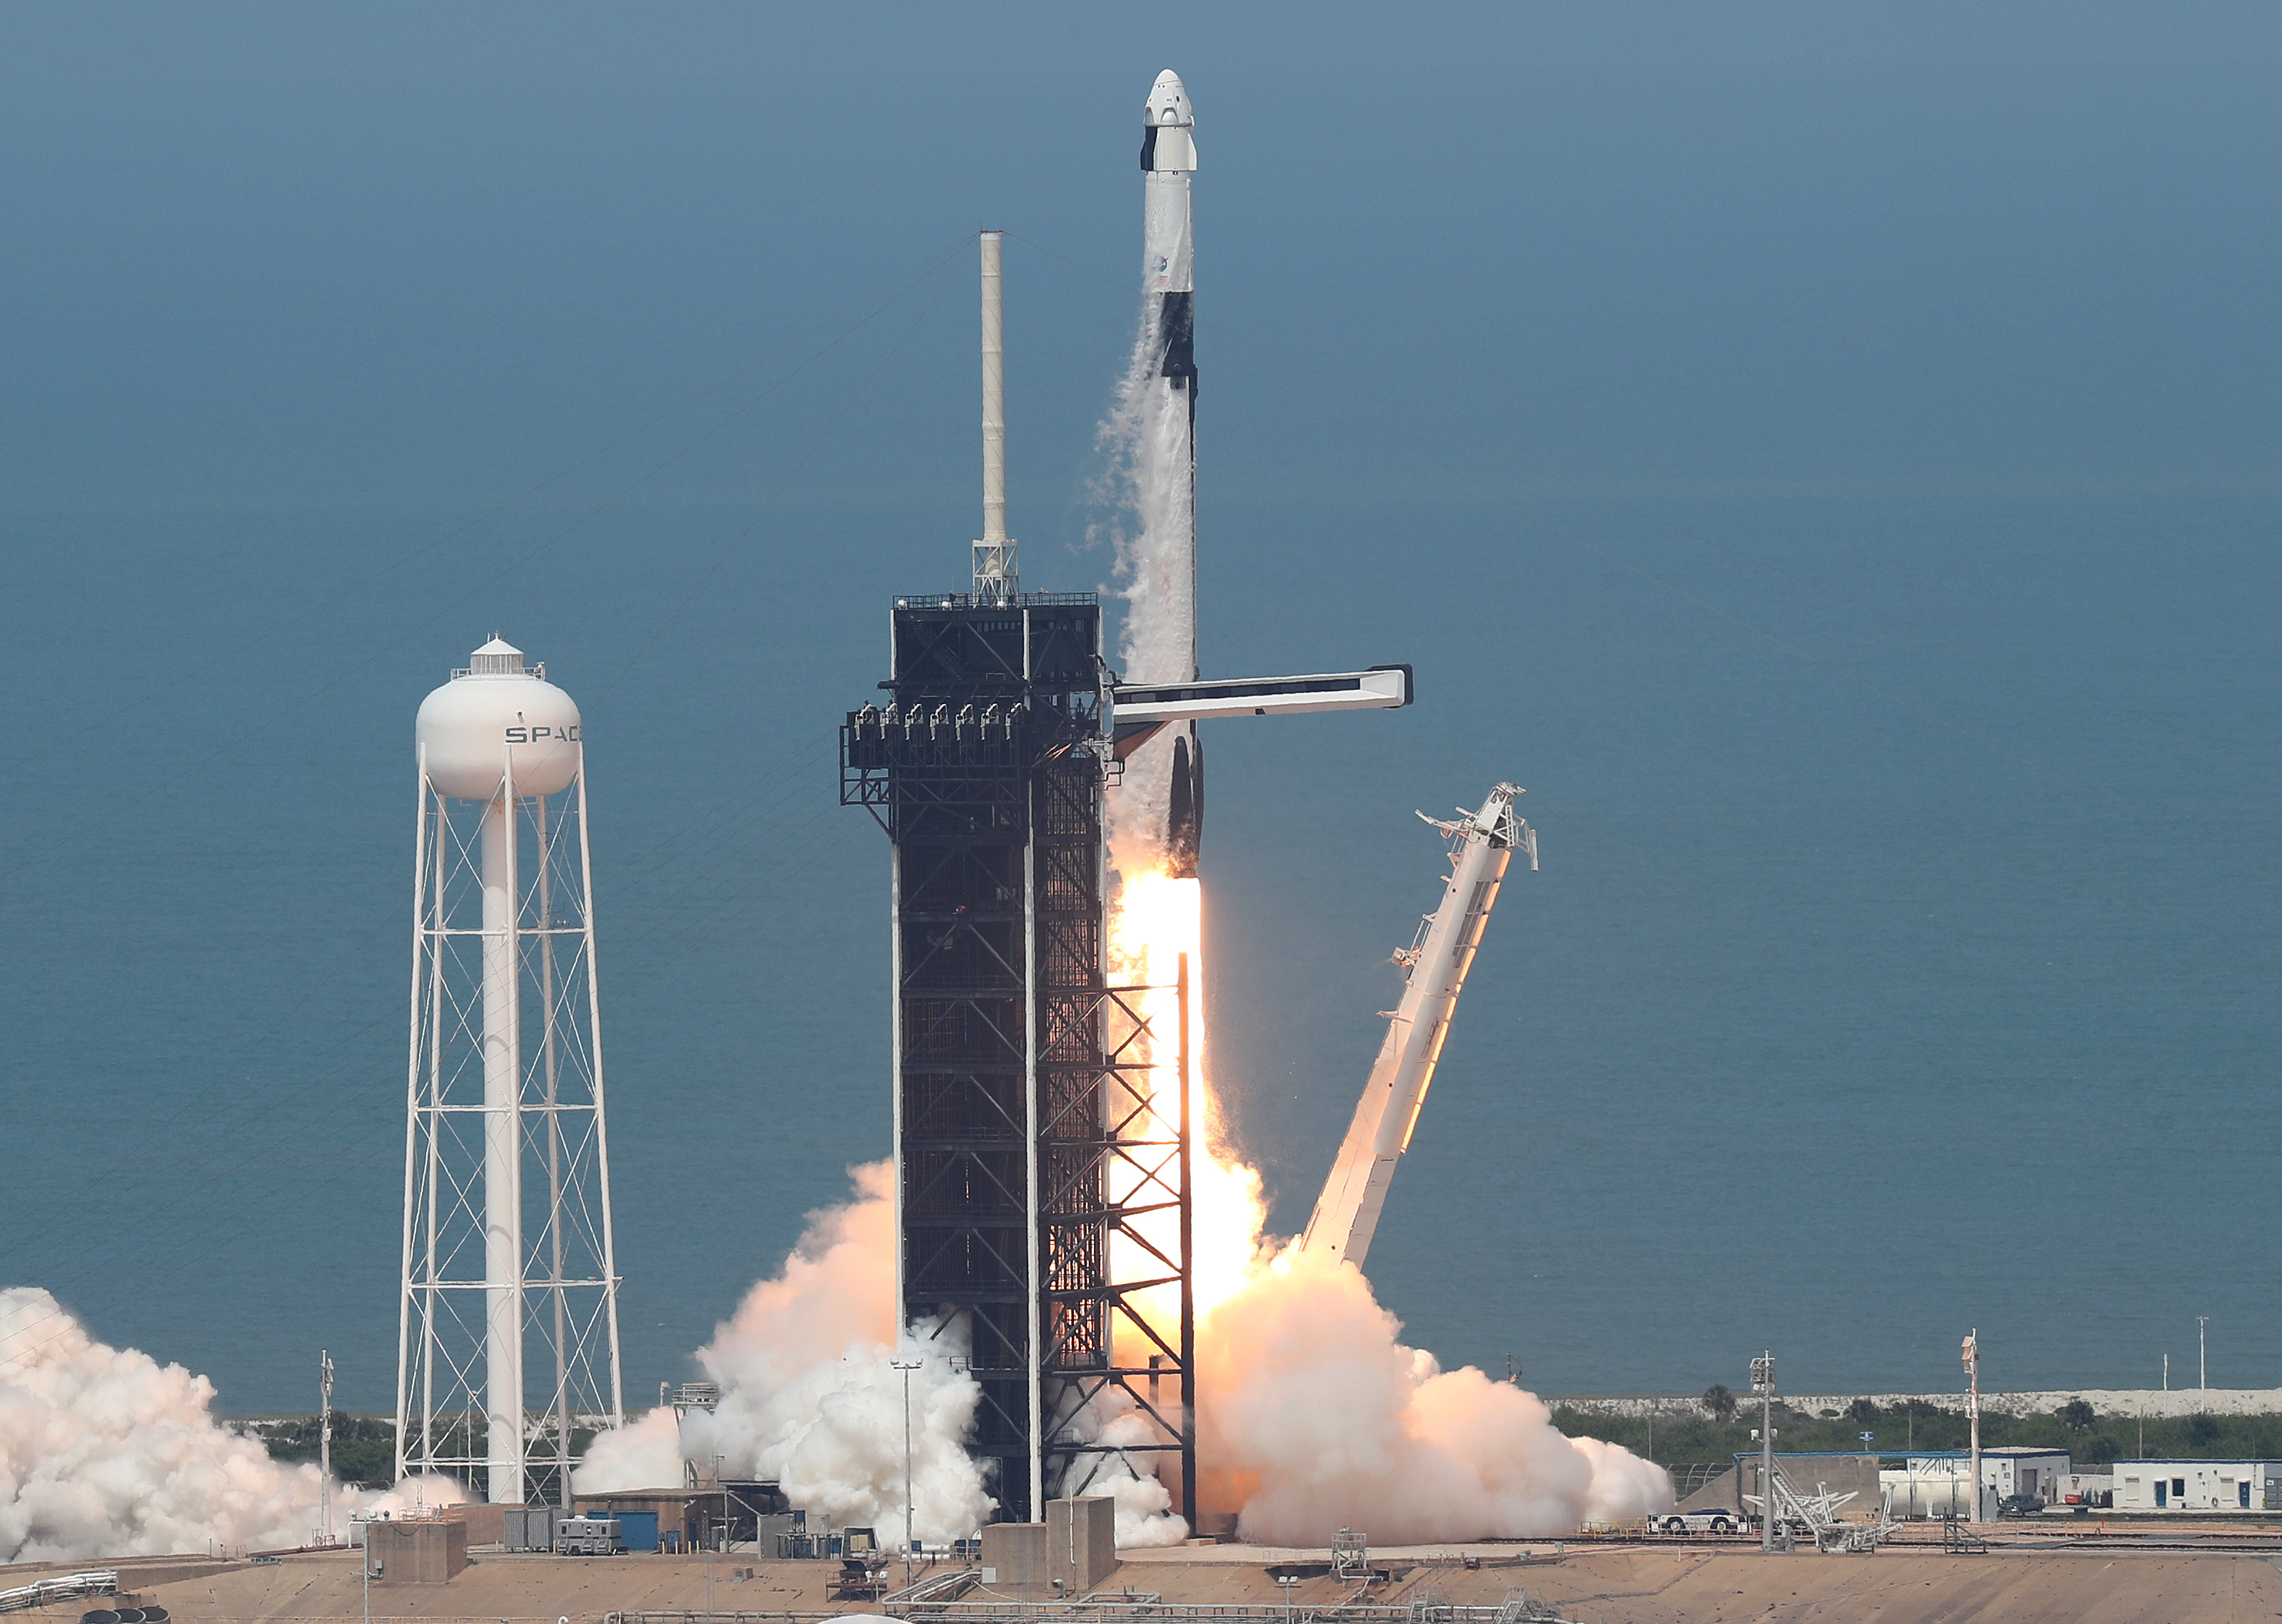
x=1481, y=845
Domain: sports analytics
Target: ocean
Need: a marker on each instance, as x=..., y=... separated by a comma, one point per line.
x=1900, y=963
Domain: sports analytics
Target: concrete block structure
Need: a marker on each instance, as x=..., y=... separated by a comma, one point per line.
x=1071, y=1552
x=1082, y=1542
x=1015, y=1555
x=423, y=1550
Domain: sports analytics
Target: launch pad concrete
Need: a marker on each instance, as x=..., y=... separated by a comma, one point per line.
x=1669, y=1584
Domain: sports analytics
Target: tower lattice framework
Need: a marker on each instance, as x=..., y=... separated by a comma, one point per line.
x=1023, y=1140
x=508, y=1327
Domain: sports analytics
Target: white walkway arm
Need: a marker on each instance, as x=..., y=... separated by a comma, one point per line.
x=1386, y=687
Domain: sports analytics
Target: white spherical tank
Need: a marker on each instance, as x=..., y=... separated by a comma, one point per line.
x=494, y=716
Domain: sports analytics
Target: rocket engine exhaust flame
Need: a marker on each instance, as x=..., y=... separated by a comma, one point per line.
x=1312, y=1415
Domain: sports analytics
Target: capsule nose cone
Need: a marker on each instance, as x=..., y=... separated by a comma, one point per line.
x=1168, y=103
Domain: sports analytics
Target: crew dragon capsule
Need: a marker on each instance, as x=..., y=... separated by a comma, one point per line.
x=1168, y=159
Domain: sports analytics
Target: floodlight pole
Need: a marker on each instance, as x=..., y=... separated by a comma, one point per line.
x=364, y=1555
x=2202, y=1363
x=910, y=1514
x=324, y=1448
x=1973, y=1411
x=1763, y=1383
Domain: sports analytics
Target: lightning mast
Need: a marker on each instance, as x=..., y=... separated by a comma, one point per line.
x=508, y=1247
x=1481, y=845
x=998, y=582
x=324, y=1447
x=1972, y=1350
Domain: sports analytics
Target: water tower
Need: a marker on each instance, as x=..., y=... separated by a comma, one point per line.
x=507, y=1337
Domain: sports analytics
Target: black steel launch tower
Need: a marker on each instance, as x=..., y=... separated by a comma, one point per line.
x=1021, y=1081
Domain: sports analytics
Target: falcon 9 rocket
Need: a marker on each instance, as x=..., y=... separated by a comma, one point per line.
x=1165, y=651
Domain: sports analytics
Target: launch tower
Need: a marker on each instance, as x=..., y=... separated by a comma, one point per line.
x=1019, y=1071
x=1024, y=1133
x=509, y=1285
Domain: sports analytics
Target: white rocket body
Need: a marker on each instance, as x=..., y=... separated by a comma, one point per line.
x=1168, y=158
x=1168, y=653
x=1346, y=1212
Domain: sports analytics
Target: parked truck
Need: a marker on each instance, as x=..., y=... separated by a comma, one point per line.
x=588, y=1536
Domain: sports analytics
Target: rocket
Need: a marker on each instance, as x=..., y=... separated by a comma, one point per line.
x=1168, y=159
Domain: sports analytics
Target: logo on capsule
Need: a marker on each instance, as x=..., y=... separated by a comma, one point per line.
x=539, y=732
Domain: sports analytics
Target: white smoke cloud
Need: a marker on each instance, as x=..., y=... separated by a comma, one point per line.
x=104, y=1452
x=1315, y=1417
x=1147, y=488
x=811, y=1397
x=1144, y=1514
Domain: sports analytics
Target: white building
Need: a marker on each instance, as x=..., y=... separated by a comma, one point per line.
x=2197, y=1485
x=1934, y=1484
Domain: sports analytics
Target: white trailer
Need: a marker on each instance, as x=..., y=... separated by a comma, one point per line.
x=2192, y=1486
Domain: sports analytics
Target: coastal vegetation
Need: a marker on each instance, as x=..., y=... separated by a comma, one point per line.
x=1720, y=1424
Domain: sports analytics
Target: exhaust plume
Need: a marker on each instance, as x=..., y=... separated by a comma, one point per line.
x=810, y=1395
x=105, y=1452
x=1312, y=1415
x=1316, y=1416
x=1146, y=491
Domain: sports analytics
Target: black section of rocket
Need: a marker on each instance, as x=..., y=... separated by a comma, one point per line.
x=1185, y=822
x=1176, y=341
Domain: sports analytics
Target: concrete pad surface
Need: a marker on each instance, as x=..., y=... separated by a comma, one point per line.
x=1633, y=1585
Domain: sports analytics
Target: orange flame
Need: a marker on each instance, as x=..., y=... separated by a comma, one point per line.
x=1157, y=919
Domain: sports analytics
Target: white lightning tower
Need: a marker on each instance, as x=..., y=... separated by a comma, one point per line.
x=509, y=1266
x=997, y=581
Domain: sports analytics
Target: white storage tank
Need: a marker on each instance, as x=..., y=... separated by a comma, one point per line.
x=493, y=717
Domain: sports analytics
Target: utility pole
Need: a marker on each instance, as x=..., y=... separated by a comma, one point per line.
x=1973, y=1410
x=724, y=1535
x=324, y=1447
x=2202, y=1363
x=1763, y=1383
x=364, y=1552
x=907, y=1366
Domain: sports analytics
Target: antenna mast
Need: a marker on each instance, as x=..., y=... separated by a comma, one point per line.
x=997, y=580
x=324, y=1447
